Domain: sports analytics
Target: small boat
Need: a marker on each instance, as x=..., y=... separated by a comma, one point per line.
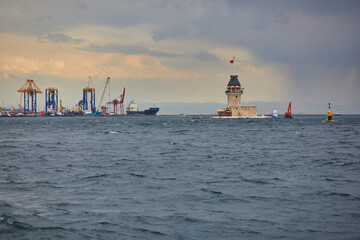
x=274, y=113
x=288, y=113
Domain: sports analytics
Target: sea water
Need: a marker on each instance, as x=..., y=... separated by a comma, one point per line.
x=172, y=177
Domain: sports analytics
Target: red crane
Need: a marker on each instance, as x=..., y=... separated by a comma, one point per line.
x=118, y=104
x=288, y=113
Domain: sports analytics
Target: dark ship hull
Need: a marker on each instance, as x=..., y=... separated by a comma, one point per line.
x=150, y=111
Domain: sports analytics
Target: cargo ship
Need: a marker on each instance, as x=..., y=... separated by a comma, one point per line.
x=133, y=109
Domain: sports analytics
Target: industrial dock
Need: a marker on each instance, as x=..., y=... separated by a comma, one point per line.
x=86, y=106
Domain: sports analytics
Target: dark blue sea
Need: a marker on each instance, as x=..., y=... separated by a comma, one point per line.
x=172, y=177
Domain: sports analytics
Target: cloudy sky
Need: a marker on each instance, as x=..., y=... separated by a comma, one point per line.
x=179, y=51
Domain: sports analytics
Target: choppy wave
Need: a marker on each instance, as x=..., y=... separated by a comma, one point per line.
x=171, y=177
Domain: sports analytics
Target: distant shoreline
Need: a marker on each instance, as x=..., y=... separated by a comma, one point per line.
x=189, y=115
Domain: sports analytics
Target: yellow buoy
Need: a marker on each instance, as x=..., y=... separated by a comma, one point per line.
x=329, y=115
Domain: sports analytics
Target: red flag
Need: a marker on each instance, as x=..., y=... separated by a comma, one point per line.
x=232, y=61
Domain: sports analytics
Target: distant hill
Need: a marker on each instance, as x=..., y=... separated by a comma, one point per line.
x=263, y=107
x=185, y=108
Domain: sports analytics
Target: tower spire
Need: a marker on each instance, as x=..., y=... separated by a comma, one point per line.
x=233, y=62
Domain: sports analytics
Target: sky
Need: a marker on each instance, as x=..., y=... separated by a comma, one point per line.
x=179, y=51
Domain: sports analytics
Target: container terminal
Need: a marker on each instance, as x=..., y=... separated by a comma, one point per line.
x=30, y=93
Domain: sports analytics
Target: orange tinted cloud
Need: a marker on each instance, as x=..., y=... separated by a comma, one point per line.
x=62, y=60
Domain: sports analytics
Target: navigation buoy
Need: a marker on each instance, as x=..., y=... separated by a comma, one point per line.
x=288, y=113
x=329, y=115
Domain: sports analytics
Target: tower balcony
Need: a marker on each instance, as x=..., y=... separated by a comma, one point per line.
x=234, y=90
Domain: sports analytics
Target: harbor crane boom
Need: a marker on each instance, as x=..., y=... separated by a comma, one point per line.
x=102, y=96
x=118, y=101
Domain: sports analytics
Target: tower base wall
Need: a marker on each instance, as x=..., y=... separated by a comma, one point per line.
x=243, y=111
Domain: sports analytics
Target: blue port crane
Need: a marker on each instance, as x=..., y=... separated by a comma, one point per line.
x=51, y=100
x=30, y=90
x=83, y=103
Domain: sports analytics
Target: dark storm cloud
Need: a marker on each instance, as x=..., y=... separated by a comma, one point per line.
x=205, y=56
x=303, y=35
x=286, y=31
x=128, y=50
x=317, y=7
x=59, y=38
x=141, y=50
x=298, y=32
x=56, y=16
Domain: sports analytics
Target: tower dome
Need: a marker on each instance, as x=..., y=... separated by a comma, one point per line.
x=234, y=85
x=234, y=80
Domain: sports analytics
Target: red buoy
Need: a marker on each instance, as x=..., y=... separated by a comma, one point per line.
x=288, y=113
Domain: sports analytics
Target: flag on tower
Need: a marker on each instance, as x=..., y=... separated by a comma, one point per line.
x=233, y=60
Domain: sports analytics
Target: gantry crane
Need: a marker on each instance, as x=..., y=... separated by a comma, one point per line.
x=29, y=89
x=84, y=102
x=119, y=101
x=51, y=100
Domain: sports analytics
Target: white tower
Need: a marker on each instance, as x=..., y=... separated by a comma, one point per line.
x=234, y=92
